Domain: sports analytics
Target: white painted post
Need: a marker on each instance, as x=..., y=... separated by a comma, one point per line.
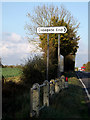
x=46, y=93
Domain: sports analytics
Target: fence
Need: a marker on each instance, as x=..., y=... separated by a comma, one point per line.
x=49, y=89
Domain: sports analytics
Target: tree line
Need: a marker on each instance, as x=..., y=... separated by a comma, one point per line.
x=87, y=66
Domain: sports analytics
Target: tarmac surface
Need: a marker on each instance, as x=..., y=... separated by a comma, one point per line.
x=85, y=77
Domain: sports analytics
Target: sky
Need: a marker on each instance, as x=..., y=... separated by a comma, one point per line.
x=15, y=46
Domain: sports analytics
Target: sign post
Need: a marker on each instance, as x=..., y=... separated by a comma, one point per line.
x=61, y=29
x=58, y=74
x=47, y=54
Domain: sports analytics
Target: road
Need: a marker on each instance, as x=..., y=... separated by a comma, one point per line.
x=85, y=77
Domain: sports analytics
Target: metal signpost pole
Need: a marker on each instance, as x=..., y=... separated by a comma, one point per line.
x=60, y=29
x=59, y=56
x=47, y=54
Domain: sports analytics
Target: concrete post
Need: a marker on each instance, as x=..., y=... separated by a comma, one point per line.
x=57, y=86
x=35, y=99
x=60, y=82
x=46, y=93
x=52, y=87
x=31, y=102
x=63, y=81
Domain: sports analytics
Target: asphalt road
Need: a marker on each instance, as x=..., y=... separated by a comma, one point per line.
x=85, y=77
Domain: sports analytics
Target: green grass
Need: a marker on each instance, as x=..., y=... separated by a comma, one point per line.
x=11, y=72
x=15, y=101
x=69, y=103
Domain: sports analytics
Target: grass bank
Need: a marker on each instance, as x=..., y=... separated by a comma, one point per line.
x=15, y=96
x=69, y=103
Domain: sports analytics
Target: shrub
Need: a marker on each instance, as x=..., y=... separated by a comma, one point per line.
x=33, y=71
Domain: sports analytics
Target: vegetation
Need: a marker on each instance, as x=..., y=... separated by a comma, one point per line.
x=11, y=66
x=87, y=66
x=33, y=71
x=69, y=103
x=53, y=16
x=11, y=72
x=16, y=88
x=15, y=101
x=15, y=95
x=43, y=14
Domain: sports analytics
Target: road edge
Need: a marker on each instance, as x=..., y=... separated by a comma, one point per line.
x=88, y=95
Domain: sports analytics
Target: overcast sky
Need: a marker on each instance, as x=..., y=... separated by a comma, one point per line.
x=15, y=47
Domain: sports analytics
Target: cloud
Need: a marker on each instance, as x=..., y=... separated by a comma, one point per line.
x=12, y=37
x=15, y=45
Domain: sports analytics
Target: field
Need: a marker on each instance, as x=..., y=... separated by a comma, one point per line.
x=11, y=72
x=15, y=96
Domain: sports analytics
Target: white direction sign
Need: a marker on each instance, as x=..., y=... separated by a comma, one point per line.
x=61, y=29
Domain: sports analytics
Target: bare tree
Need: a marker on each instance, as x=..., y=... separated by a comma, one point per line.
x=42, y=15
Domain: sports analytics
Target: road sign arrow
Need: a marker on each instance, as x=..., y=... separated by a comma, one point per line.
x=65, y=29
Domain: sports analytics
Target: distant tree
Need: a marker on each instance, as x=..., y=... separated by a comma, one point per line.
x=68, y=41
x=53, y=16
x=42, y=15
x=87, y=66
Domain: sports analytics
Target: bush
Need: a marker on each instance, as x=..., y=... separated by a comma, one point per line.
x=33, y=71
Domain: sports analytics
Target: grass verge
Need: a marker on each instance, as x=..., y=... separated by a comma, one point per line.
x=69, y=103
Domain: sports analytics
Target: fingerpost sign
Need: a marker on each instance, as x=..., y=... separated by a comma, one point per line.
x=59, y=30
